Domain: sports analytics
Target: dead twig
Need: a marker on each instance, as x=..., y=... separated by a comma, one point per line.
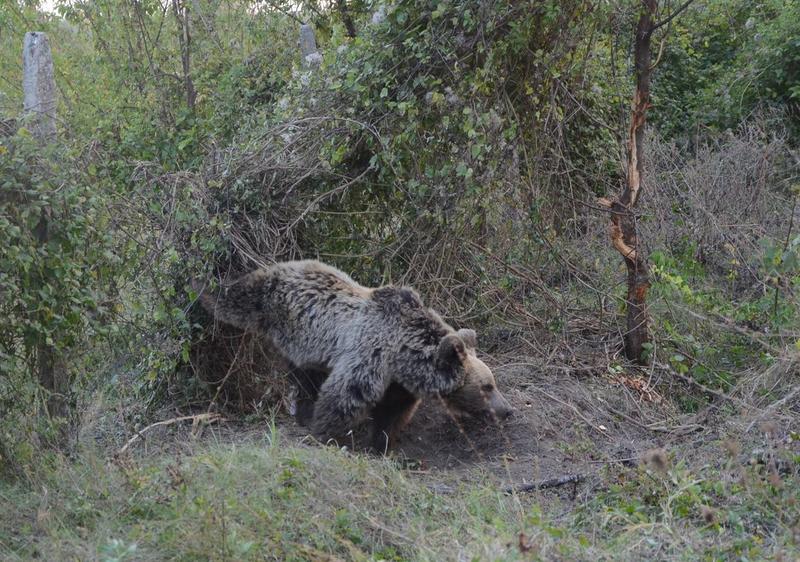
x=225, y=378
x=196, y=419
x=723, y=397
x=549, y=483
x=773, y=407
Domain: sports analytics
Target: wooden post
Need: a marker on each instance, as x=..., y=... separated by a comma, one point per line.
x=39, y=107
x=379, y=15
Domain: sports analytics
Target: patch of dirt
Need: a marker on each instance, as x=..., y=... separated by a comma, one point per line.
x=562, y=424
x=573, y=415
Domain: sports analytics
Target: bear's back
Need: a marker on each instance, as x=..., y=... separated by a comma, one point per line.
x=315, y=276
x=319, y=296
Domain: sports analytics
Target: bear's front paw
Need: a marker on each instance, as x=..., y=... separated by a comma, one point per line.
x=304, y=412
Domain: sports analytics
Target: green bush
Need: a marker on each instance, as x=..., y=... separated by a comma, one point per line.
x=724, y=60
x=58, y=267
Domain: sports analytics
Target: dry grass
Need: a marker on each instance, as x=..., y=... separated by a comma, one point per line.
x=733, y=194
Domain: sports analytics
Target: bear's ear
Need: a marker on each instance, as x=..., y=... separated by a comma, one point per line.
x=452, y=350
x=469, y=336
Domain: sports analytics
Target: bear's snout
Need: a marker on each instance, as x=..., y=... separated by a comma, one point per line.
x=500, y=407
x=504, y=413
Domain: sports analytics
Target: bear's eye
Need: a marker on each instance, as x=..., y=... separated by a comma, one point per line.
x=487, y=388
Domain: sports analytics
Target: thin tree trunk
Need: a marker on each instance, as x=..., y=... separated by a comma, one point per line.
x=623, y=219
x=185, y=39
x=341, y=5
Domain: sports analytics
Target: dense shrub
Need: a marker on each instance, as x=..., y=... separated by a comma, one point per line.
x=725, y=60
x=58, y=266
x=401, y=157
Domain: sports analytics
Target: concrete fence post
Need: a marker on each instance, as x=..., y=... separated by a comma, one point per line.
x=39, y=108
x=308, y=46
x=39, y=86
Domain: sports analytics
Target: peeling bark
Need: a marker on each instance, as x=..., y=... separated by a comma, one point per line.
x=623, y=220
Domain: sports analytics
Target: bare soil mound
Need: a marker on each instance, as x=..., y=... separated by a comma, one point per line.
x=566, y=421
x=579, y=412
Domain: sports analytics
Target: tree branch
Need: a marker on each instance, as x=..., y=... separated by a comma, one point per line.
x=198, y=418
x=672, y=16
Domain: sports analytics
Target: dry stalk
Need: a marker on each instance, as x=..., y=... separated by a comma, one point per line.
x=196, y=419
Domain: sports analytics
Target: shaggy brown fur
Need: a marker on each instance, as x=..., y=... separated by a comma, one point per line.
x=358, y=351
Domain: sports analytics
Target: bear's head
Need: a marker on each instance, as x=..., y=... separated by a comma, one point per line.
x=478, y=395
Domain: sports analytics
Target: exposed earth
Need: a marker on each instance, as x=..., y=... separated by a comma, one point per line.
x=576, y=413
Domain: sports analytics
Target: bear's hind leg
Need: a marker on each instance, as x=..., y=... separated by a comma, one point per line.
x=338, y=410
x=308, y=381
x=390, y=416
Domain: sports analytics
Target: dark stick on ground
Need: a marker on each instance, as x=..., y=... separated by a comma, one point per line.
x=549, y=483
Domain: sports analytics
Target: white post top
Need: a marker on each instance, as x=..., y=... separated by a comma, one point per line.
x=39, y=86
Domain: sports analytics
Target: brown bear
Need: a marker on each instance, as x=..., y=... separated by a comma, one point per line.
x=358, y=351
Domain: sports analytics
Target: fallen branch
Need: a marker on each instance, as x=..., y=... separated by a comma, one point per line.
x=196, y=419
x=772, y=407
x=656, y=427
x=549, y=483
